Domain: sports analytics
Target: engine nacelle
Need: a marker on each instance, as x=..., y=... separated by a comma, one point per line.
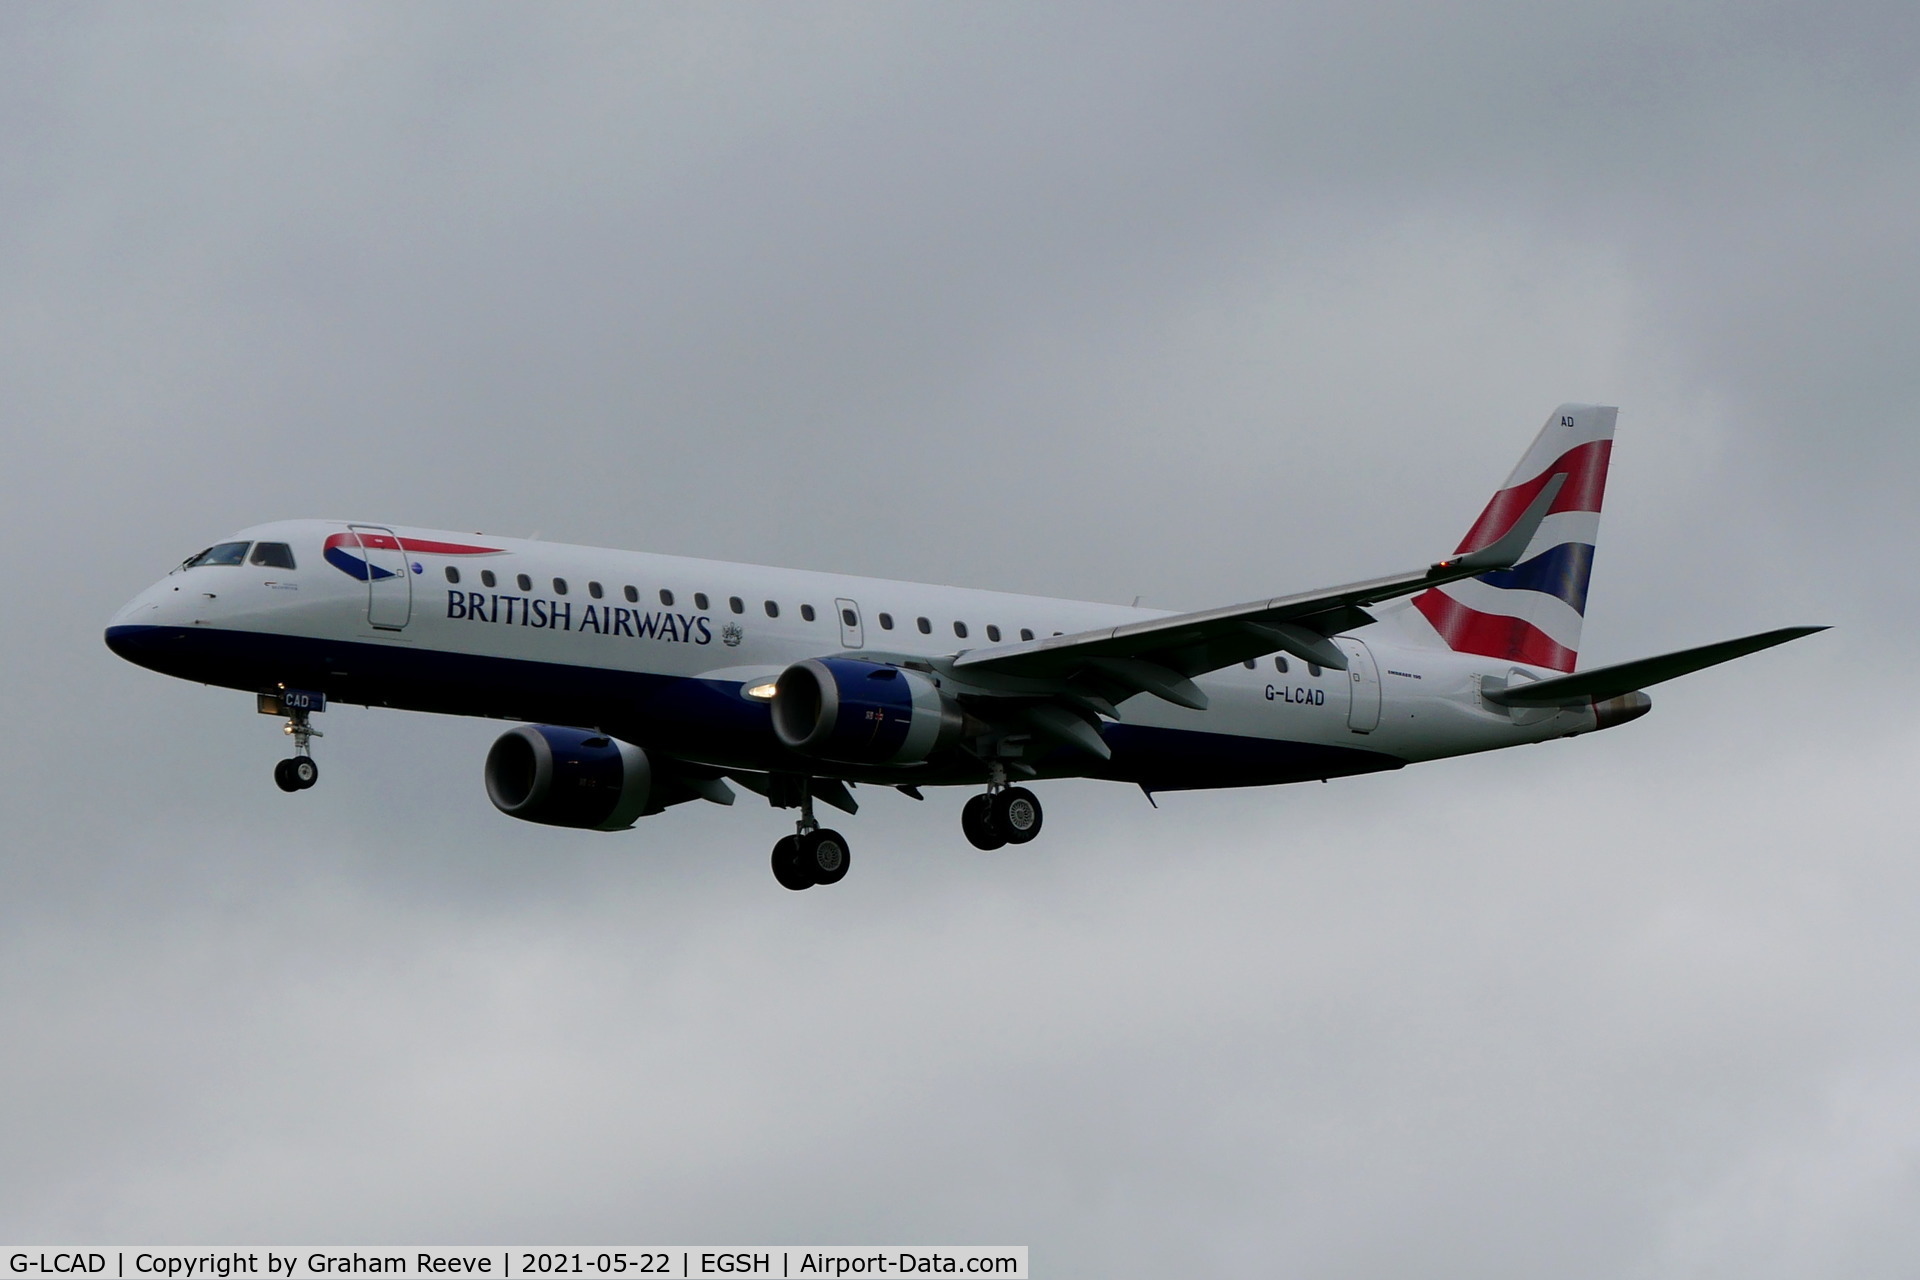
x=569, y=778
x=862, y=712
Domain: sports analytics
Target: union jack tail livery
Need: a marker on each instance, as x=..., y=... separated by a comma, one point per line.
x=1532, y=612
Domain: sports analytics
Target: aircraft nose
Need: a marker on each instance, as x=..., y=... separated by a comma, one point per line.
x=125, y=641
x=144, y=646
x=137, y=631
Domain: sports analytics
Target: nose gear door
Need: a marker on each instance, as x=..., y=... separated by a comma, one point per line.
x=852, y=634
x=389, y=583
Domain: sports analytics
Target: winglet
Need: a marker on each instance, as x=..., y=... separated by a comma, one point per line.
x=1505, y=551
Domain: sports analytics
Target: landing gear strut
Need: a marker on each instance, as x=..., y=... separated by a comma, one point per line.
x=812, y=855
x=1004, y=815
x=298, y=772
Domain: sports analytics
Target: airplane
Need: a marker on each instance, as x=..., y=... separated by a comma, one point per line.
x=645, y=681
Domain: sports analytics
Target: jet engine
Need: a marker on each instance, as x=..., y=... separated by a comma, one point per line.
x=862, y=712
x=569, y=778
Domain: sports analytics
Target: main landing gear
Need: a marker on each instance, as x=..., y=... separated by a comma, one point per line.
x=1004, y=815
x=812, y=855
x=298, y=772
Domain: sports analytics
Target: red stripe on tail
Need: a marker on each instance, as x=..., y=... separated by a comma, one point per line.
x=1490, y=634
x=1585, y=467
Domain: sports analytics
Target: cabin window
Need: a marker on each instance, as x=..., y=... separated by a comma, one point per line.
x=886, y=622
x=773, y=610
x=219, y=553
x=526, y=583
x=1313, y=668
x=559, y=586
x=487, y=579
x=993, y=632
x=666, y=597
x=1249, y=664
x=926, y=628
x=734, y=603
x=453, y=574
x=1280, y=663
x=593, y=589
x=849, y=618
x=806, y=611
x=631, y=593
x=700, y=600
x=960, y=629
x=1026, y=633
x=275, y=555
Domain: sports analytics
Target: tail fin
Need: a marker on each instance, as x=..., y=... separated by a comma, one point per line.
x=1531, y=613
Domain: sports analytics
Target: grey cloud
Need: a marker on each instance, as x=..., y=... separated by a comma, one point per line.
x=1091, y=302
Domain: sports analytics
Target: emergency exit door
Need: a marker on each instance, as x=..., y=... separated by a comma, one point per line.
x=852, y=634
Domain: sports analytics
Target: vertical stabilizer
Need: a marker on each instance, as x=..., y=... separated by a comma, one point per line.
x=1532, y=612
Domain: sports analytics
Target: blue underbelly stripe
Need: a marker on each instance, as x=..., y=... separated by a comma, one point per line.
x=704, y=720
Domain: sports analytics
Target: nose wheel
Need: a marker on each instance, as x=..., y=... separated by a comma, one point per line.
x=298, y=772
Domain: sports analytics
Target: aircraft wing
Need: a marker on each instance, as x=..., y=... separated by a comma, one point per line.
x=1610, y=682
x=1160, y=656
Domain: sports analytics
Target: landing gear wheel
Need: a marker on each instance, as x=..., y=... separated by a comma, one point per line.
x=1015, y=813
x=786, y=865
x=976, y=819
x=283, y=776
x=303, y=771
x=824, y=856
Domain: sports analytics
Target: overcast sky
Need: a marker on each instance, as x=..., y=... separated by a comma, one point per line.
x=1194, y=303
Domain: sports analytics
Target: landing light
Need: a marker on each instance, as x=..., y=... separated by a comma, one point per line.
x=764, y=692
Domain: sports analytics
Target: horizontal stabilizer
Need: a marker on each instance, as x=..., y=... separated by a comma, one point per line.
x=1610, y=682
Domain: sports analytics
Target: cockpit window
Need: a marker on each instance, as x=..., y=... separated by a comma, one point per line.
x=272, y=555
x=219, y=553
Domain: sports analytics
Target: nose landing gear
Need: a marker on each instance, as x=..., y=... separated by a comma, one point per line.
x=298, y=772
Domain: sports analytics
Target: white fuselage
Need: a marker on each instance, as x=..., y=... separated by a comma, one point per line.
x=667, y=650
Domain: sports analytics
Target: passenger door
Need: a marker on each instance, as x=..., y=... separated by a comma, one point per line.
x=1363, y=681
x=389, y=582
